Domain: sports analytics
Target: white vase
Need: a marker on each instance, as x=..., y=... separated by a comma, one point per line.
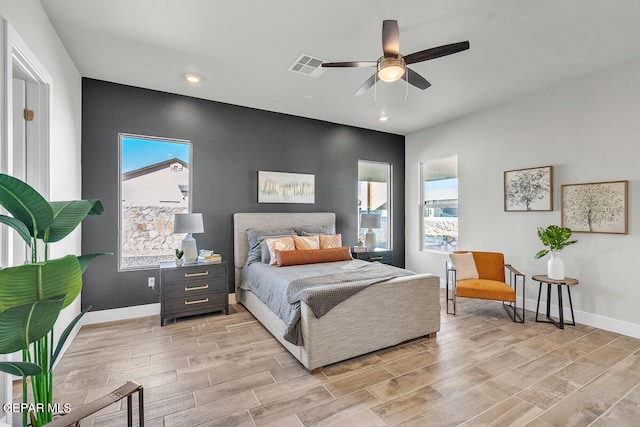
x=179, y=262
x=555, y=267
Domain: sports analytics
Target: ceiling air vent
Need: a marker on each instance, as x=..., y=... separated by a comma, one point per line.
x=308, y=65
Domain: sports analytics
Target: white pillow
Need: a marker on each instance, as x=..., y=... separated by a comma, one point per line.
x=465, y=266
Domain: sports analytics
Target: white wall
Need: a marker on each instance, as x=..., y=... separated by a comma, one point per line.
x=32, y=24
x=589, y=131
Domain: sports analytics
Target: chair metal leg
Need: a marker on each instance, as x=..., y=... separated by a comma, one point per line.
x=129, y=412
x=140, y=407
x=450, y=273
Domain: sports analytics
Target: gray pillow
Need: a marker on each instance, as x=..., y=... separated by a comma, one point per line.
x=312, y=230
x=255, y=236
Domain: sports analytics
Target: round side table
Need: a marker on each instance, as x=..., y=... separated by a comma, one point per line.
x=568, y=282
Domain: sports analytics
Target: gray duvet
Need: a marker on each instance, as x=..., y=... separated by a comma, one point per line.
x=321, y=286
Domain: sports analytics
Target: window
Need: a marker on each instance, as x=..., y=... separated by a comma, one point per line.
x=155, y=178
x=439, y=204
x=374, y=197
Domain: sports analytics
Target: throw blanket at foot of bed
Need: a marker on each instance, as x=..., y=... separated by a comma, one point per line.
x=322, y=293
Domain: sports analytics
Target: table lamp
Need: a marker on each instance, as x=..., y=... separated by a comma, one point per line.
x=190, y=224
x=370, y=221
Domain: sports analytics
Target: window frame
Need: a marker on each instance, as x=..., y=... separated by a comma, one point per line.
x=445, y=203
x=389, y=173
x=124, y=135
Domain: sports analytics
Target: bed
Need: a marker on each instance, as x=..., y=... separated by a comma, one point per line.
x=381, y=315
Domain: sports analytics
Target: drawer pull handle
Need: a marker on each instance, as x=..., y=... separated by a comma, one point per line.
x=196, y=288
x=200, y=301
x=206, y=273
x=375, y=258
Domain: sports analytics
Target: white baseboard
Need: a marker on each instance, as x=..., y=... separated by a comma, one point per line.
x=111, y=315
x=608, y=324
x=601, y=322
x=114, y=314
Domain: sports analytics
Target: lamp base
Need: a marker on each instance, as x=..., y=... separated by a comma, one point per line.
x=370, y=239
x=190, y=249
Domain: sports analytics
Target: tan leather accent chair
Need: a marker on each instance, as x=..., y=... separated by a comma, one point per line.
x=490, y=283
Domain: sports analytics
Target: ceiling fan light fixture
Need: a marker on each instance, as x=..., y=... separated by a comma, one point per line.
x=391, y=69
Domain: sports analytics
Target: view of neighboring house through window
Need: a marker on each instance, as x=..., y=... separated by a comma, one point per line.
x=439, y=204
x=155, y=178
x=374, y=197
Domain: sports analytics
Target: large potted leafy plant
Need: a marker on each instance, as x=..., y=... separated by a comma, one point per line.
x=555, y=238
x=32, y=295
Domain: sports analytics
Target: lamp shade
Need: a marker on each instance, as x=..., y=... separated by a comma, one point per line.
x=188, y=223
x=370, y=221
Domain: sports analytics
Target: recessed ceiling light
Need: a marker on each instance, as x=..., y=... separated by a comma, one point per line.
x=383, y=118
x=192, y=78
x=308, y=97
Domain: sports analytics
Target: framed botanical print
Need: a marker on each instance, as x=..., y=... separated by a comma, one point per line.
x=528, y=190
x=596, y=207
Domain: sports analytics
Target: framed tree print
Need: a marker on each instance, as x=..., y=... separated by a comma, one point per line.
x=596, y=207
x=528, y=190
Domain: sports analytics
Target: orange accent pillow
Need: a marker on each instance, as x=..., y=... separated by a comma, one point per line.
x=279, y=244
x=306, y=242
x=312, y=256
x=328, y=241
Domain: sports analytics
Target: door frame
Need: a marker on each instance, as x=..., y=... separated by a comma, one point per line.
x=19, y=61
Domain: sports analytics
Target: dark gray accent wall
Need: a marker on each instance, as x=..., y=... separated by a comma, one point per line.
x=230, y=145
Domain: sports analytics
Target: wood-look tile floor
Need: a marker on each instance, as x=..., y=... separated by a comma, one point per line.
x=481, y=369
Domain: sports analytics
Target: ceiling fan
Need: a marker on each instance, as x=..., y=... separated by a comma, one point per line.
x=392, y=65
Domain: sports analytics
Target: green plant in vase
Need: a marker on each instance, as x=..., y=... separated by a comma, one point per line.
x=555, y=239
x=32, y=295
x=179, y=254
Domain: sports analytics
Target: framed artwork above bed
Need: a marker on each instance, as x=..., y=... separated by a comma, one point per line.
x=283, y=187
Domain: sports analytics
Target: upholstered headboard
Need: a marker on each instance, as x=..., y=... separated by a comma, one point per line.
x=264, y=221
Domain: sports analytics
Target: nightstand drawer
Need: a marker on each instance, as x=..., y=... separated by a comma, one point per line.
x=196, y=272
x=195, y=287
x=385, y=257
x=203, y=302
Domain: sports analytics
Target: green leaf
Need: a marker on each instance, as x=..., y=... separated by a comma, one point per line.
x=20, y=369
x=18, y=226
x=85, y=260
x=41, y=281
x=65, y=335
x=541, y=254
x=66, y=217
x=98, y=207
x=23, y=324
x=25, y=204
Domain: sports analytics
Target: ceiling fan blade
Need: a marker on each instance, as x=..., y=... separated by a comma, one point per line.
x=364, y=87
x=358, y=64
x=415, y=79
x=436, y=52
x=390, y=38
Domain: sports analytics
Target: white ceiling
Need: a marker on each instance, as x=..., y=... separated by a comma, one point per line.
x=243, y=49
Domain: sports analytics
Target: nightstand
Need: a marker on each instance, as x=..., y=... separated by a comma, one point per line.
x=193, y=289
x=385, y=256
